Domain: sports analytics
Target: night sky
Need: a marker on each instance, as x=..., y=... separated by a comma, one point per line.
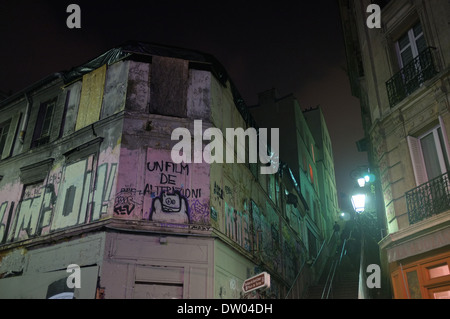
x=293, y=46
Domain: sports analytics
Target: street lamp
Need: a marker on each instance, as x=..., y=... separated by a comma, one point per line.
x=361, y=182
x=359, y=202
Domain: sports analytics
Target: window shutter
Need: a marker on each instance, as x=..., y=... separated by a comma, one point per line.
x=11, y=136
x=417, y=160
x=93, y=85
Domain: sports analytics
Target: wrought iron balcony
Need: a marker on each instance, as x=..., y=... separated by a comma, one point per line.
x=431, y=198
x=411, y=77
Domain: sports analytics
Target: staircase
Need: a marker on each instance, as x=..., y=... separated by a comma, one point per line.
x=315, y=292
x=345, y=286
x=342, y=276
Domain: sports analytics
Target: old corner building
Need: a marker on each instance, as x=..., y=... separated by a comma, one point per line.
x=401, y=74
x=86, y=178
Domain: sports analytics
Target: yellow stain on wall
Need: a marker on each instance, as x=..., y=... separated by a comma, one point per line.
x=91, y=97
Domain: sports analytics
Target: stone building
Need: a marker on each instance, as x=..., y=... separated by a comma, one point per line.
x=401, y=74
x=87, y=178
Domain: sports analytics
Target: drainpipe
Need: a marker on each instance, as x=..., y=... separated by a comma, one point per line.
x=25, y=120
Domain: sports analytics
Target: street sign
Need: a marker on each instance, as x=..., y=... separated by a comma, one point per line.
x=259, y=281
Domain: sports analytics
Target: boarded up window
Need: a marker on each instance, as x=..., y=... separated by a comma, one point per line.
x=168, y=86
x=26, y=221
x=158, y=282
x=91, y=97
x=73, y=197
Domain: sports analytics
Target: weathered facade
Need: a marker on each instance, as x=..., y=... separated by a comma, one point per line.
x=87, y=178
x=305, y=145
x=401, y=74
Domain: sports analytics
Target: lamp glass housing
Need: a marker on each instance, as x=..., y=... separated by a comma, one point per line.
x=361, y=182
x=359, y=202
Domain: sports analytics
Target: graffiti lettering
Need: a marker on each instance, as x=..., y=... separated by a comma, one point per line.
x=218, y=191
x=163, y=183
x=199, y=211
x=165, y=166
x=41, y=207
x=237, y=226
x=228, y=190
x=125, y=202
x=3, y=227
x=167, y=179
x=27, y=219
x=103, y=189
x=155, y=189
x=124, y=209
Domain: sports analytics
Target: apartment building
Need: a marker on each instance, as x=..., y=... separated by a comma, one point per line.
x=87, y=179
x=400, y=73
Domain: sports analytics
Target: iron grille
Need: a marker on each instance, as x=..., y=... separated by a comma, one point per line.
x=428, y=199
x=411, y=77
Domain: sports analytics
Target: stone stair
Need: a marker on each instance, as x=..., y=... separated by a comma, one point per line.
x=345, y=286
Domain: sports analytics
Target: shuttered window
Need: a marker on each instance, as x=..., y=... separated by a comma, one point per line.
x=91, y=97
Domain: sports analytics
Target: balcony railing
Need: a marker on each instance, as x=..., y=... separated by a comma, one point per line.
x=429, y=199
x=411, y=77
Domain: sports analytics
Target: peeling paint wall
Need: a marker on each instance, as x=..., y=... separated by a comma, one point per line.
x=72, y=181
x=70, y=194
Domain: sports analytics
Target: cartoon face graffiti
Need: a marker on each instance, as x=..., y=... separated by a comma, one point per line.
x=170, y=207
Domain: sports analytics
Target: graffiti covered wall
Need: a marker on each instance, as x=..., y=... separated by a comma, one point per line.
x=243, y=212
x=71, y=193
x=152, y=187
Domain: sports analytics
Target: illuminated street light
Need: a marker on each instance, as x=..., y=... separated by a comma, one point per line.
x=359, y=202
x=361, y=182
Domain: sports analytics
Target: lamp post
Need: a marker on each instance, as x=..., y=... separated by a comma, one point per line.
x=359, y=198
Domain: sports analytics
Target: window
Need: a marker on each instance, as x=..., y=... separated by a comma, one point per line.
x=91, y=97
x=168, y=86
x=438, y=271
x=41, y=133
x=423, y=279
x=4, y=129
x=413, y=284
x=440, y=293
x=8, y=133
x=429, y=154
x=416, y=62
x=410, y=45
